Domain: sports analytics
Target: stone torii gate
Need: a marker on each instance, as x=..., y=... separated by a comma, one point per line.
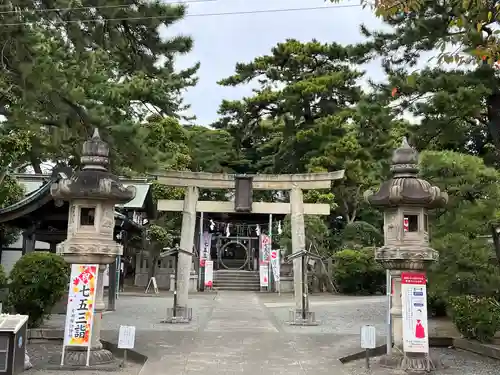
x=243, y=185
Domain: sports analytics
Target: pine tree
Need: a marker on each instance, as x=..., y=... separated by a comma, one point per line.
x=456, y=106
x=70, y=66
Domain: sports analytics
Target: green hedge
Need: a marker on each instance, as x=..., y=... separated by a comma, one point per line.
x=38, y=282
x=476, y=317
x=437, y=306
x=356, y=272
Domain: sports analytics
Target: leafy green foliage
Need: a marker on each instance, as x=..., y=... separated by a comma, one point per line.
x=361, y=234
x=473, y=192
x=437, y=306
x=457, y=106
x=317, y=235
x=299, y=84
x=466, y=263
x=211, y=150
x=3, y=278
x=476, y=317
x=159, y=236
x=10, y=192
x=14, y=144
x=467, y=25
x=38, y=282
x=101, y=63
x=454, y=108
x=356, y=272
x=309, y=114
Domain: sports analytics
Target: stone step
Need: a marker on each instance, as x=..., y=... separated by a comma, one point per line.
x=235, y=276
x=233, y=280
x=247, y=275
x=237, y=282
x=251, y=288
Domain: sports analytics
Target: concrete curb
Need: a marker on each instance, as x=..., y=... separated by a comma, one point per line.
x=58, y=335
x=477, y=347
x=381, y=349
x=132, y=354
x=377, y=351
x=45, y=334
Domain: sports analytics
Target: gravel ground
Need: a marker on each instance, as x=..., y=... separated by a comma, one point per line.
x=41, y=352
x=460, y=363
x=341, y=315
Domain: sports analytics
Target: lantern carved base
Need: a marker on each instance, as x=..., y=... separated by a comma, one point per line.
x=74, y=358
x=411, y=362
x=295, y=318
x=406, y=258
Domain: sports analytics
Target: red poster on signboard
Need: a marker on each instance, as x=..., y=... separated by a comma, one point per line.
x=413, y=278
x=414, y=312
x=406, y=224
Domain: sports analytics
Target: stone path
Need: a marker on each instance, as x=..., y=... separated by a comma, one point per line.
x=246, y=333
x=242, y=336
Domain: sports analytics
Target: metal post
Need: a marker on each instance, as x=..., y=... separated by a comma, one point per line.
x=389, y=306
x=176, y=259
x=367, y=358
x=303, y=287
x=118, y=269
x=201, y=249
x=112, y=287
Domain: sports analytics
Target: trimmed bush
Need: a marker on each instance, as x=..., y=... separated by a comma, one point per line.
x=476, y=317
x=38, y=282
x=356, y=272
x=436, y=305
x=3, y=278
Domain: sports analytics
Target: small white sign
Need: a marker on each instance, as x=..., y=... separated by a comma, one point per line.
x=126, y=337
x=368, y=337
x=209, y=273
x=152, y=282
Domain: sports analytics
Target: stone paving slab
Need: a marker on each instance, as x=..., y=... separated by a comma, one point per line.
x=247, y=333
x=344, y=315
x=41, y=351
x=242, y=336
x=458, y=362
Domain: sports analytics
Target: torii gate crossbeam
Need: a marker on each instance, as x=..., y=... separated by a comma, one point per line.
x=295, y=183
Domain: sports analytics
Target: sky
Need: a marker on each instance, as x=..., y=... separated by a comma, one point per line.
x=220, y=41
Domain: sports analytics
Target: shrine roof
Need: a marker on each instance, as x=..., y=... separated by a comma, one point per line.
x=143, y=200
x=39, y=200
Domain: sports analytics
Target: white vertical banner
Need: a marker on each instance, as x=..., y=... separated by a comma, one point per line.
x=209, y=273
x=205, y=248
x=265, y=248
x=264, y=275
x=275, y=265
x=265, y=255
x=106, y=277
x=414, y=300
x=80, y=309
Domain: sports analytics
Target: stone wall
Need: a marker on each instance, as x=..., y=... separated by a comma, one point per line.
x=164, y=273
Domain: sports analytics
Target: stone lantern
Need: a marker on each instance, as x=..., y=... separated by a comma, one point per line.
x=405, y=199
x=92, y=193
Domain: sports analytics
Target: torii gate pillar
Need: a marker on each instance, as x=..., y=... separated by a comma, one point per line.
x=294, y=183
x=298, y=243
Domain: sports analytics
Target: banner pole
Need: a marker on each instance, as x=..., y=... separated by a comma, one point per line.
x=201, y=249
x=270, y=269
x=389, y=306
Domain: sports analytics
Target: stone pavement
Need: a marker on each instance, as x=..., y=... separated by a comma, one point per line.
x=245, y=333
